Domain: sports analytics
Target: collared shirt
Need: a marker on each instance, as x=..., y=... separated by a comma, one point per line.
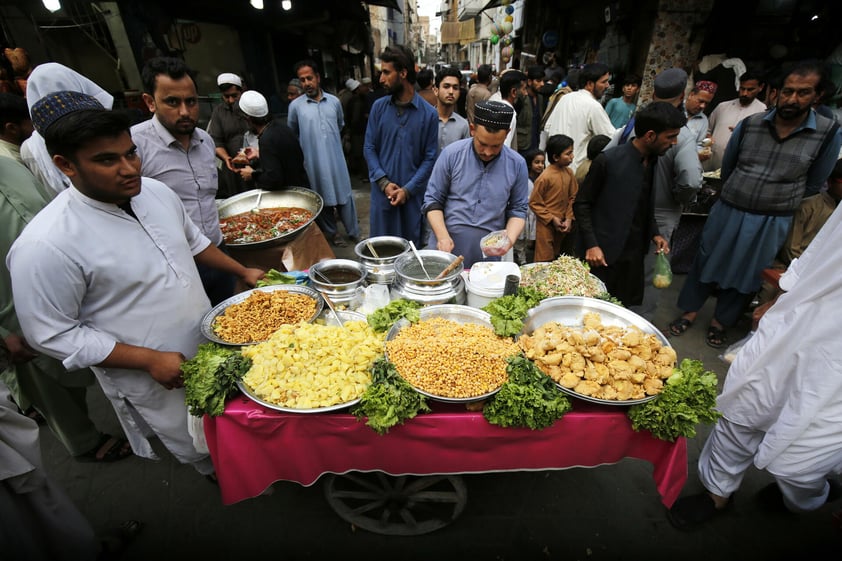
x=455, y=128
x=318, y=125
x=721, y=124
x=83, y=295
x=192, y=174
x=227, y=126
x=9, y=150
x=580, y=116
x=476, y=197
x=698, y=125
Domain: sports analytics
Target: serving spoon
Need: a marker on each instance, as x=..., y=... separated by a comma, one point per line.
x=420, y=261
x=327, y=299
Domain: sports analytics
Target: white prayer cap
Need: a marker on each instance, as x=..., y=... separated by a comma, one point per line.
x=352, y=84
x=254, y=104
x=229, y=78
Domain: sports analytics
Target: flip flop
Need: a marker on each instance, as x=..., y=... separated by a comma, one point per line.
x=690, y=512
x=678, y=326
x=118, y=448
x=716, y=337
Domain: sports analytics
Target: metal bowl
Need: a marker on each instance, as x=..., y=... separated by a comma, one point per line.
x=453, y=312
x=338, y=278
x=289, y=197
x=409, y=270
x=570, y=310
x=247, y=392
x=219, y=309
x=381, y=269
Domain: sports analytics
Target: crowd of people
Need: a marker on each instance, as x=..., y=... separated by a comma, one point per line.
x=113, y=249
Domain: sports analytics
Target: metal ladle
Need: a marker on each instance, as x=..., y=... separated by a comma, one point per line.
x=327, y=300
x=420, y=261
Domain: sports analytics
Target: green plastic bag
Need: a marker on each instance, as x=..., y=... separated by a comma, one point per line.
x=663, y=271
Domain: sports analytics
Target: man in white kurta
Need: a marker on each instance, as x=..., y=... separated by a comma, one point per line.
x=782, y=400
x=77, y=295
x=727, y=114
x=579, y=114
x=105, y=275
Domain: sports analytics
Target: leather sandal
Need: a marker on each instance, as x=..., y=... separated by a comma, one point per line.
x=690, y=512
x=679, y=326
x=108, y=449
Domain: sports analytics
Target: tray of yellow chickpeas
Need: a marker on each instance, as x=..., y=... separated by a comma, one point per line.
x=313, y=367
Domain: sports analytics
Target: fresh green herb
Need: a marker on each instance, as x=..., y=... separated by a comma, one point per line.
x=381, y=320
x=211, y=376
x=275, y=277
x=389, y=400
x=608, y=298
x=688, y=398
x=507, y=312
x=528, y=399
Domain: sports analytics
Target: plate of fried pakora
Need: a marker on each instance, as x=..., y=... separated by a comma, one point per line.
x=597, y=351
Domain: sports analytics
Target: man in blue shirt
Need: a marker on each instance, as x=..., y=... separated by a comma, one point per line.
x=401, y=144
x=478, y=186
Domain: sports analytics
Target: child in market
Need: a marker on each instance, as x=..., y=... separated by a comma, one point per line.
x=525, y=244
x=552, y=199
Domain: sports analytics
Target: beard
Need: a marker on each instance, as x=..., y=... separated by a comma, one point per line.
x=791, y=112
x=396, y=89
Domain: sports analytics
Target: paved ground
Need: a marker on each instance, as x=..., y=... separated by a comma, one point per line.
x=606, y=513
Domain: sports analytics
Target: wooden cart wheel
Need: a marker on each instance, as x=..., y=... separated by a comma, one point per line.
x=405, y=505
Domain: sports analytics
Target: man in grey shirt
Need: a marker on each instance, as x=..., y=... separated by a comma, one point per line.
x=177, y=153
x=452, y=126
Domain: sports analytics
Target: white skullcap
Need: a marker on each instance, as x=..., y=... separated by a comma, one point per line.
x=352, y=84
x=254, y=104
x=229, y=78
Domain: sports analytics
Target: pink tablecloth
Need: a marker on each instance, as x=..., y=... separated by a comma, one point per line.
x=253, y=446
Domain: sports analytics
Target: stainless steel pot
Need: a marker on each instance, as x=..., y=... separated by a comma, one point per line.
x=338, y=279
x=381, y=269
x=412, y=284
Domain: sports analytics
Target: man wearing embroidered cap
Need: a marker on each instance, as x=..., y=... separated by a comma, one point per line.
x=227, y=126
x=478, y=185
x=278, y=161
x=105, y=275
x=694, y=106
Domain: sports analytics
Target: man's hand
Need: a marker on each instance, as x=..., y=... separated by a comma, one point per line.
x=396, y=194
x=250, y=276
x=229, y=165
x=445, y=244
x=498, y=251
x=165, y=368
x=251, y=152
x=566, y=225
x=661, y=245
x=19, y=351
x=595, y=257
x=245, y=172
x=558, y=223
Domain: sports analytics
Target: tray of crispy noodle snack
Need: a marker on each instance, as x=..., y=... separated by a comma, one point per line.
x=451, y=354
x=252, y=316
x=597, y=351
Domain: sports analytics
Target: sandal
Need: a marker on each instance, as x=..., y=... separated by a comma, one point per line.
x=716, y=337
x=679, y=326
x=108, y=449
x=114, y=542
x=689, y=512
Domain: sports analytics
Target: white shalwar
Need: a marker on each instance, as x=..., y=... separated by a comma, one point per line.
x=782, y=398
x=86, y=275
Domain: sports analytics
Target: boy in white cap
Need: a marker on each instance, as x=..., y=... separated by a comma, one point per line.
x=227, y=126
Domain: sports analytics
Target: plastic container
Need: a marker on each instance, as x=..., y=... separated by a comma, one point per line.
x=487, y=280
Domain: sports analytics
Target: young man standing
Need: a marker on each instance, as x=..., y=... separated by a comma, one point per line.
x=452, y=126
x=728, y=113
x=227, y=126
x=177, y=153
x=80, y=300
x=317, y=119
x=529, y=116
x=400, y=149
x=614, y=203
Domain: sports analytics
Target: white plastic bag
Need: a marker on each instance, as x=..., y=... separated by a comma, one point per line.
x=729, y=354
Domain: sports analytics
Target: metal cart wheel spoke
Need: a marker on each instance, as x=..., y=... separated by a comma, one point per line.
x=404, y=505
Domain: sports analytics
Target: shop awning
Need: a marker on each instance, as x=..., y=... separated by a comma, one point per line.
x=385, y=3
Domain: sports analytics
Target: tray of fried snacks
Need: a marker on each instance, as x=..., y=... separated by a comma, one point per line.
x=597, y=351
x=252, y=316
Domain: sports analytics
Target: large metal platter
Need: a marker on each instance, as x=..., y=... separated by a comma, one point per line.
x=219, y=309
x=247, y=392
x=289, y=197
x=570, y=310
x=453, y=312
